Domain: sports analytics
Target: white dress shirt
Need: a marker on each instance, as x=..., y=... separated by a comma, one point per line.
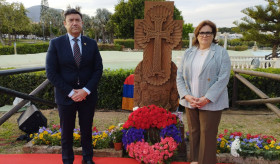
x=197, y=64
x=72, y=42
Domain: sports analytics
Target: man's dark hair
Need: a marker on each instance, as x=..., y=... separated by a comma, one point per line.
x=72, y=11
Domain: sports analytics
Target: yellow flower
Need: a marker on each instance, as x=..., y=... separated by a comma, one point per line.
x=41, y=136
x=277, y=147
x=112, y=127
x=266, y=147
x=33, y=142
x=272, y=142
x=222, y=144
x=94, y=142
x=218, y=151
x=76, y=136
x=272, y=146
x=257, y=146
x=104, y=135
x=31, y=135
x=45, y=132
x=121, y=128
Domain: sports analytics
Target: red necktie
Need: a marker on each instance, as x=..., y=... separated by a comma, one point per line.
x=77, y=53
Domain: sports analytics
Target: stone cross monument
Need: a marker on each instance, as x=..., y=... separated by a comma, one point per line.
x=155, y=76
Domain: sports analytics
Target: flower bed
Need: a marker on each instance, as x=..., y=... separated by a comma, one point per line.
x=48, y=140
x=259, y=146
x=52, y=137
x=151, y=134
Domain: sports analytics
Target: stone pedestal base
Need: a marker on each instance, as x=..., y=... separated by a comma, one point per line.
x=43, y=149
x=228, y=158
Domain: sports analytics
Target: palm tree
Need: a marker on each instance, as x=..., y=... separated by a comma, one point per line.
x=101, y=19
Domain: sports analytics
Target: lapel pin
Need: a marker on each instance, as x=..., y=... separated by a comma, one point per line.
x=85, y=44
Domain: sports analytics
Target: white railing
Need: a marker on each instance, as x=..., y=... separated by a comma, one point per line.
x=244, y=62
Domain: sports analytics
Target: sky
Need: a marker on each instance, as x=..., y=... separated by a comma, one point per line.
x=222, y=12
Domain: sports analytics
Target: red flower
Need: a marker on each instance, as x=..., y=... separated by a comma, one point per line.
x=225, y=131
x=94, y=129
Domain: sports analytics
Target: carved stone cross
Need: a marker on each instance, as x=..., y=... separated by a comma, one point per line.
x=157, y=34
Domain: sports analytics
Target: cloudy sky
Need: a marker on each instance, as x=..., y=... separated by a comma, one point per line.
x=221, y=12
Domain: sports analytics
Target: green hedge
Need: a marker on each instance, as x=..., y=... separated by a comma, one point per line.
x=237, y=48
x=110, y=47
x=25, y=49
x=43, y=47
x=185, y=43
x=111, y=86
x=6, y=50
x=268, y=86
x=127, y=43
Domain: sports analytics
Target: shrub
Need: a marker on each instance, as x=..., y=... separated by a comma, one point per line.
x=109, y=47
x=127, y=43
x=25, y=49
x=110, y=88
x=237, y=48
x=185, y=43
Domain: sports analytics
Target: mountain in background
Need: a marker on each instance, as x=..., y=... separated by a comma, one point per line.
x=34, y=12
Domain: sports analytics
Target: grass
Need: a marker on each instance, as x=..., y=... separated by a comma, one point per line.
x=246, y=121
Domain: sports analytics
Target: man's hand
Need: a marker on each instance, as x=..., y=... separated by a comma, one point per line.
x=79, y=95
x=192, y=100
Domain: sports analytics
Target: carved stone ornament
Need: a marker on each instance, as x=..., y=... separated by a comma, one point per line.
x=155, y=76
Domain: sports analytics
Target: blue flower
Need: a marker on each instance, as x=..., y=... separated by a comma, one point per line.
x=41, y=130
x=259, y=145
x=132, y=135
x=171, y=131
x=219, y=139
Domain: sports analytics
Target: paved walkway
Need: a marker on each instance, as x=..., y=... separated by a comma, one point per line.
x=111, y=59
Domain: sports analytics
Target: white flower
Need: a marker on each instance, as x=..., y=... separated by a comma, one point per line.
x=135, y=108
x=234, y=147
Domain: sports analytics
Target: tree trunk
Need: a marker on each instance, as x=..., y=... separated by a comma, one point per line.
x=1, y=39
x=9, y=42
x=274, y=50
x=95, y=37
x=103, y=36
x=112, y=38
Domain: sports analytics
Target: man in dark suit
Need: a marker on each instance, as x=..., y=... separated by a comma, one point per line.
x=74, y=67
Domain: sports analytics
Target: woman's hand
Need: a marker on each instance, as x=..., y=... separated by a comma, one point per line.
x=192, y=100
x=202, y=101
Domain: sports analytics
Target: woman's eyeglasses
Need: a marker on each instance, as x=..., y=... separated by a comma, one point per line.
x=208, y=33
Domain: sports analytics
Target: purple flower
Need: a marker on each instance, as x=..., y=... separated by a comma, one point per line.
x=41, y=130
x=132, y=135
x=171, y=131
x=219, y=139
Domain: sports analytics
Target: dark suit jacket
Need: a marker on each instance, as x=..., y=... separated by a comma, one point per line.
x=63, y=72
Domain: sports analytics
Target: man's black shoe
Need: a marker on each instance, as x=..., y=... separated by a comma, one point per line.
x=87, y=162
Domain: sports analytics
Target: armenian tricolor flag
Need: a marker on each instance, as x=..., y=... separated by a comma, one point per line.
x=128, y=91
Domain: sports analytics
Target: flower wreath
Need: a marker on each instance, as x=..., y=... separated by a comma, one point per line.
x=150, y=134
